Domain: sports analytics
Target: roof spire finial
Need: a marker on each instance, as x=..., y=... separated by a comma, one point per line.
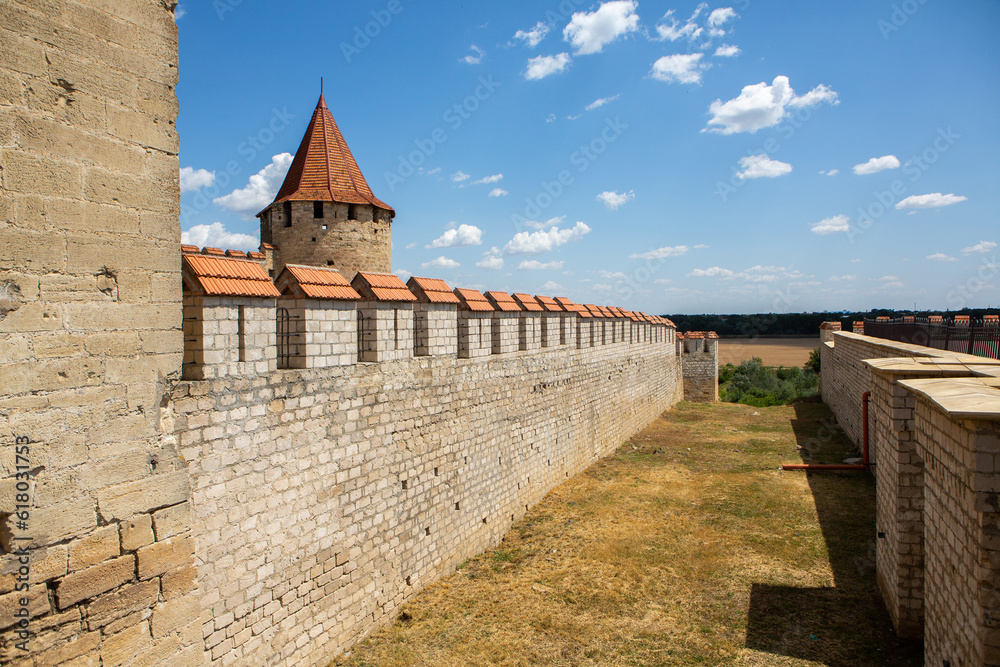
x=321, y=86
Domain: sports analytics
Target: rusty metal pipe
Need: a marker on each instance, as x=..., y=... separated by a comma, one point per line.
x=865, y=398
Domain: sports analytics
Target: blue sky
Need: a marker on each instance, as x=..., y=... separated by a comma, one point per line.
x=673, y=157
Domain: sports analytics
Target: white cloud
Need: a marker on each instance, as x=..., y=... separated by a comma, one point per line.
x=216, y=236
x=662, y=281
x=611, y=275
x=552, y=286
x=551, y=222
x=535, y=265
x=702, y=245
x=589, y=32
x=838, y=223
x=761, y=105
x=837, y=279
x=941, y=257
x=877, y=164
x=179, y=12
x=662, y=253
x=411, y=246
x=713, y=272
x=932, y=200
x=495, y=178
x=727, y=51
x=551, y=118
x=832, y=172
x=441, y=262
x=533, y=243
x=981, y=247
x=475, y=57
x=459, y=176
x=615, y=200
x=679, y=68
x=601, y=102
x=491, y=260
x=601, y=287
x=403, y=274
x=543, y=66
x=498, y=192
x=676, y=31
x=720, y=16
x=196, y=179
x=260, y=190
x=534, y=36
x=761, y=166
x=460, y=237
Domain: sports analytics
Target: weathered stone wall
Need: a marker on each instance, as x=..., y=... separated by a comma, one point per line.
x=325, y=499
x=361, y=243
x=700, y=364
x=325, y=332
x=435, y=329
x=937, y=484
x=90, y=334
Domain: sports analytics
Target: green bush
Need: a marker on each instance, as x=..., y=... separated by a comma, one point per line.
x=752, y=383
x=814, y=361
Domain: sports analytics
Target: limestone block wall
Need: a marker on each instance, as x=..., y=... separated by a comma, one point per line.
x=435, y=329
x=550, y=330
x=225, y=335
x=386, y=331
x=325, y=499
x=700, y=365
x=90, y=334
x=506, y=334
x=529, y=331
x=475, y=334
x=325, y=332
x=568, y=329
x=585, y=333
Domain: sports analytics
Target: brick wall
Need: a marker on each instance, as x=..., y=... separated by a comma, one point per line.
x=90, y=334
x=325, y=499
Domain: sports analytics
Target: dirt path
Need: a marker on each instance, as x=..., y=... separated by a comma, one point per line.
x=686, y=547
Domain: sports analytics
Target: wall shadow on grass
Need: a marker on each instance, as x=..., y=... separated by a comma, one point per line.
x=845, y=625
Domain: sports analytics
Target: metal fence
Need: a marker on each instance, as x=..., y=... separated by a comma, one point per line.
x=965, y=335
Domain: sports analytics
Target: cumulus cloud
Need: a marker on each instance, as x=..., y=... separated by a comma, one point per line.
x=551, y=222
x=761, y=105
x=441, y=262
x=491, y=260
x=941, y=257
x=720, y=16
x=679, y=68
x=727, y=51
x=713, y=272
x=838, y=223
x=589, y=32
x=459, y=237
x=877, y=164
x=495, y=178
x=215, y=235
x=615, y=200
x=196, y=179
x=675, y=30
x=979, y=248
x=534, y=243
x=662, y=253
x=459, y=176
x=761, y=166
x=498, y=192
x=602, y=101
x=932, y=200
x=475, y=57
x=535, y=265
x=260, y=190
x=403, y=274
x=534, y=36
x=831, y=172
x=552, y=286
x=611, y=275
x=543, y=66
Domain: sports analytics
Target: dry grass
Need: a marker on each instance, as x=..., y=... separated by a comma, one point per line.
x=772, y=351
x=687, y=547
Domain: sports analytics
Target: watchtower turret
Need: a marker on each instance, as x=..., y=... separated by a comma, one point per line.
x=325, y=213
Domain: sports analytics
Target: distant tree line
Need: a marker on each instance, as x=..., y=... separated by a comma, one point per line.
x=763, y=325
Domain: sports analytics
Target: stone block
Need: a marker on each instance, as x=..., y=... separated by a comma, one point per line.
x=161, y=557
x=99, y=546
x=179, y=582
x=126, y=600
x=136, y=532
x=172, y=521
x=143, y=495
x=52, y=524
x=95, y=580
x=173, y=614
x=36, y=599
x=120, y=649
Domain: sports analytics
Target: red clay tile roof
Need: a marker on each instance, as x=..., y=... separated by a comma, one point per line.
x=607, y=312
x=218, y=252
x=527, y=302
x=549, y=304
x=470, y=299
x=670, y=323
x=219, y=276
x=316, y=283
x=191, y=248
x=503, y=301
x=382, y=287
x=594, y=310
x=571, y=307
x=324, y=168
x=238, y=254
x=431, y=290
x=256, y=255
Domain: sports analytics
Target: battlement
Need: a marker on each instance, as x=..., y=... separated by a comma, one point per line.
x=699, y=355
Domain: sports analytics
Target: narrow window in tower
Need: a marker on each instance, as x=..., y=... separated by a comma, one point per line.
x=317, y=209
x=241, y=332
x=352, y=212
x=288, y=213
x=395, y=326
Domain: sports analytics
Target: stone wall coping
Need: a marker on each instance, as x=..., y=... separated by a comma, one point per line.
x=961, y=398
x=934, y=366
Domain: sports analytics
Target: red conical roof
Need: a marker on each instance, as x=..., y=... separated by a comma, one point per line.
x=324, y=169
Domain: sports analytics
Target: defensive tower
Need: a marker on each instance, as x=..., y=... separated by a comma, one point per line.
x=325, y=214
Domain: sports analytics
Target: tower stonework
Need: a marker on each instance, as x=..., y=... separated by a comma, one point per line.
x=325, y=214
